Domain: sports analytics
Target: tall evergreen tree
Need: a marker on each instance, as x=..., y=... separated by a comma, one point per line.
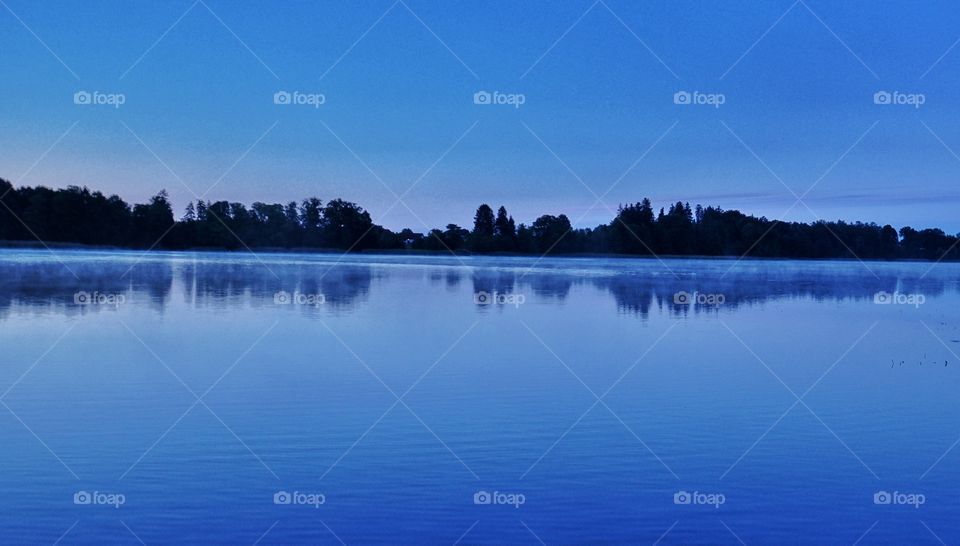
x=189, y=213
x=481, y=239
x=504, y=231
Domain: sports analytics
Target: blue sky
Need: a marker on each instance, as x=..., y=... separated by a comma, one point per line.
x=398, y=78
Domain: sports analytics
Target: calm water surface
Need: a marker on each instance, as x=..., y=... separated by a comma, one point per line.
x=219, y=398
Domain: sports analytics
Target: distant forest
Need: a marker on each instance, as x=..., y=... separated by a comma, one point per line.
x=76, y=215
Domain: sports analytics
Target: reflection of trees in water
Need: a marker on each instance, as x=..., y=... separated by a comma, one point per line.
x=342, y=286
x=638, y=293
x=47, y=286
x=445, y=277
x=494, y=280
x=452, y=278
x=681, y=297
x=710, y=294
x=218, y=284
x=449, y=277
x=632, y=296
x=550, y=286
x=153, y=281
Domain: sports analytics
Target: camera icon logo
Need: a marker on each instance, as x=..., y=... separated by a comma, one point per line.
x=882, y=297
x=282, y=298
x=281, y=97
x=482, y=97
x=882, y=97
x=482, y=497
x=682, y=298
x=82, y=97
x=882, y=497
x=82, y=497
x=682, y=497
x=282, y=497
x=682, y=97
x=82, y=298
x=482, y=298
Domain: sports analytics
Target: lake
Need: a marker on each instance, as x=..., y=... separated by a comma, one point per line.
x=287, y=398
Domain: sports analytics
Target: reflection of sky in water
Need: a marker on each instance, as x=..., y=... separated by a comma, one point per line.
x=495, y=397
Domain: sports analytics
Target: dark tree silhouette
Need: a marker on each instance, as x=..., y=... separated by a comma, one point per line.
x=153, y=220
x=481, y=239
x=552, y=234
x=311, y=219
x=455, y=237
x=504, y=231
x=346, y=225
x=76, y=215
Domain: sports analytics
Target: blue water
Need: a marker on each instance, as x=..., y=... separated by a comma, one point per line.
x=169, y=397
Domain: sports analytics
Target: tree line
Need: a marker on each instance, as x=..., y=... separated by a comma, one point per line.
x=76, y=215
